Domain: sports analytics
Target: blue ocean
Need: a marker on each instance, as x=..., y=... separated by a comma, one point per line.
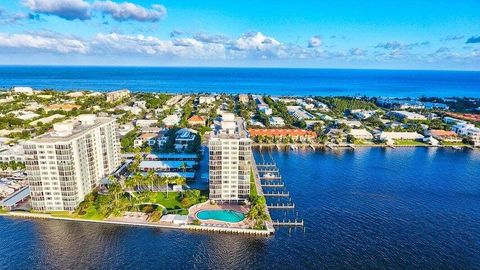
x=272, y=81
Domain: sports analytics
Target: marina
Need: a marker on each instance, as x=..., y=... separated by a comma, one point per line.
x=274, y=190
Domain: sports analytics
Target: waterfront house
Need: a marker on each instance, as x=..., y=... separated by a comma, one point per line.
x=386, y=136
x=444, y=135
x=295, y=134
x=336, y=135
x=469, y=131
x=361, y=134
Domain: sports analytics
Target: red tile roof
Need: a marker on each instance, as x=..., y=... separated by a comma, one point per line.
x=442, y=133
x=281, y=132
x=465, y=116
x=196, y=119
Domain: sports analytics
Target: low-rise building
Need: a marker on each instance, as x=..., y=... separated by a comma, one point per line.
x=385, y=136
x=183, y=138
x=361, y=134
x=145, y=122
x=265, y=109
x=299, y=113
x=22, y=90
x=62, y=107
x=12, y=153
x=124, y=129
x=75, y=94
x=196, y=120
x=140, y=104
x=171, y=120
x=143, y=138
x=407, y=115
x=349, y=123
x=276, y=121
x=243, y=98
x=296, y=134
x=443, y=135
x=362, y=114
x=469, y=131
x=131, y=109
x=206, y=99
x=25, y=115
x=118, y=95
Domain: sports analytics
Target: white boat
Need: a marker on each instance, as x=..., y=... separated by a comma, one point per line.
x=268, y=176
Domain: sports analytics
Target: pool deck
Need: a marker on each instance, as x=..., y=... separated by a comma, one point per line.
x=244, y=224
x=139, y=223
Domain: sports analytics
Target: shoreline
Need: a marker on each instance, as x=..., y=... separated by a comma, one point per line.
x=31, y=216
x=353, y=146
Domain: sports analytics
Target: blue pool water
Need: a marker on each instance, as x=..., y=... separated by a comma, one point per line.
x=221, y=215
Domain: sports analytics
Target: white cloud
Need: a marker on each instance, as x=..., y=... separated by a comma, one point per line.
x=67, y=9
x=315, y=42
x=83, y=10
x=43, y=43
x=250, y=46
x=128, y=11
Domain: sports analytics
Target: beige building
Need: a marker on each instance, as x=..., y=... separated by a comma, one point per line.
x=117, y=95
x=64, y=165
x=230, y=160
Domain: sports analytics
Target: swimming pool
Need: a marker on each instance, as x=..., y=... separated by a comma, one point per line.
x=221, y=215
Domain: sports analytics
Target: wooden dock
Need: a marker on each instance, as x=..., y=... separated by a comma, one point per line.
x=281, y=206
x=291, y=223
x=273, y=185
x=277, y=194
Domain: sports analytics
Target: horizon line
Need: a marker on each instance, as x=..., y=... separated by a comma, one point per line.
x=240, y=67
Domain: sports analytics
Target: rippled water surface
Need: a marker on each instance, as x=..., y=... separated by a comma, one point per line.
x=272, y=81
x=364, y=209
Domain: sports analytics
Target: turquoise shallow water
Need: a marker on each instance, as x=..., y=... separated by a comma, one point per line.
x=221, y=215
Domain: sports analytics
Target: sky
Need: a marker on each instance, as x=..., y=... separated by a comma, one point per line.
x=395, y=34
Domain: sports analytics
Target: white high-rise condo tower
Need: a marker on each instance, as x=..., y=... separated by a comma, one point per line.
x=66, y=164
x=230, y=157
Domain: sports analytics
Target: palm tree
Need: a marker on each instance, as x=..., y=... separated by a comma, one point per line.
x=150, y=179
x=183, y=166
x=115, y=189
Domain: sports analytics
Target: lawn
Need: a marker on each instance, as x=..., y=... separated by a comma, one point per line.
x=453, y=143
x=170, y=202
x=409, y=143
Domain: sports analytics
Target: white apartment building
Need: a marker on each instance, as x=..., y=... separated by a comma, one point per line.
x=64, y=165
x=468, y=131
x=230, y=160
